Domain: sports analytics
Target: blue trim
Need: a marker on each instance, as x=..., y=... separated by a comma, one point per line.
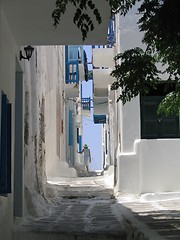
x=86, y=103
x=5, y=160
x=106, y=142
x=66, y=61
x=72, y=59
x=72, y=71
x=80, y=143
x=70, y=128
x=73, y=52
x=9, y=147
x=99, y=119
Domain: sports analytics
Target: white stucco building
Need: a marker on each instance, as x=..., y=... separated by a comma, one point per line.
x=41, y=110
x=33, y=107
x=142, y=146
x=148, y=151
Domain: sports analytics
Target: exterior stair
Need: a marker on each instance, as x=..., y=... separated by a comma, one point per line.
x=81, y=208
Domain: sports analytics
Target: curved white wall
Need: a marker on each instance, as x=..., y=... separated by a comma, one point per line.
x=160, y=165
x=130, y=124
x=153, y=166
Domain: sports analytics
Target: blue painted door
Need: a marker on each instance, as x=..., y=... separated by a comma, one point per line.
x=5, y=156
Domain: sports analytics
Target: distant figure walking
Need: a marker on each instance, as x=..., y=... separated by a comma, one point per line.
x=87, y=156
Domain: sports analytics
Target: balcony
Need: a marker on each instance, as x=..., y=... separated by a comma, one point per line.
x=103, y=57
x=72, y=72
x=31, y=23
x=86, y=106
x=86, y=103
x=100, y=109
x=102, y=78
x=71, y=90
x=100, y=105
x=76, y=64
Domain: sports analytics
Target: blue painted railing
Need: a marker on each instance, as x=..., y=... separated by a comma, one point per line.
x=86, y=103
x=74, y=55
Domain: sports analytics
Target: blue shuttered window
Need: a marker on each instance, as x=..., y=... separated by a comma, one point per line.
x=72, y=64
x=5, y=157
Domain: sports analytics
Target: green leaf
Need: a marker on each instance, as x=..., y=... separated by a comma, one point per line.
x=136, y=74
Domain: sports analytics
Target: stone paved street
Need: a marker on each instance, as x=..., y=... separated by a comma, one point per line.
x=85, y=208
x=160, y=214
x=82, y=208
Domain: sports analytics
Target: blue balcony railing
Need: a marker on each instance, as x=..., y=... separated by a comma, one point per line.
x=75, y=55
x=111, y=36
x=86, y=103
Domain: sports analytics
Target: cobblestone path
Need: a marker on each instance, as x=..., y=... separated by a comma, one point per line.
x=82, y=209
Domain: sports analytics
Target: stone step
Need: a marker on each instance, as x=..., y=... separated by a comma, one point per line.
x=66, y=236
x=72, y=192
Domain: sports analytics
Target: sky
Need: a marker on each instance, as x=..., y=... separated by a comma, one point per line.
x=92, y=133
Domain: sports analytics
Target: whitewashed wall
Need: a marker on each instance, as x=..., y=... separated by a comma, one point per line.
x=153, y=166
x=7, y=84
x=142, y=165
x=48, y=83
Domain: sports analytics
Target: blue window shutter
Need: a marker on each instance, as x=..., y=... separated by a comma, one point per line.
x=3, y=160
x=70, y=128
x=72, y=71
x=106, y=141
x=77, y=135
x=9, y=147
x=66, y=61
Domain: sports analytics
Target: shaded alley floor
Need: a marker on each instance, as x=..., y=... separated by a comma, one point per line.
x=85, y=208
x=82, y=208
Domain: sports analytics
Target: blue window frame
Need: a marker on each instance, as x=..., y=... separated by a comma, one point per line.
x=5, y=156
x=80, y=143
x=72, y=64
x=72, y=71
x=70, y=128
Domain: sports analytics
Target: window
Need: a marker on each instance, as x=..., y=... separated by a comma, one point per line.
x=153, y=125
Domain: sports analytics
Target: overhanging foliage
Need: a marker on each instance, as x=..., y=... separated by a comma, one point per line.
x=160, y=22
x=82, y=19
x=135, y=74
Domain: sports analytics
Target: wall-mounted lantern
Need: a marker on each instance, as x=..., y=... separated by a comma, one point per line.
x=28, y=51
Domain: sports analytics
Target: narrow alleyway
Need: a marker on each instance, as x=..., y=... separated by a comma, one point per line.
x=81, y=208
x=85, y=208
